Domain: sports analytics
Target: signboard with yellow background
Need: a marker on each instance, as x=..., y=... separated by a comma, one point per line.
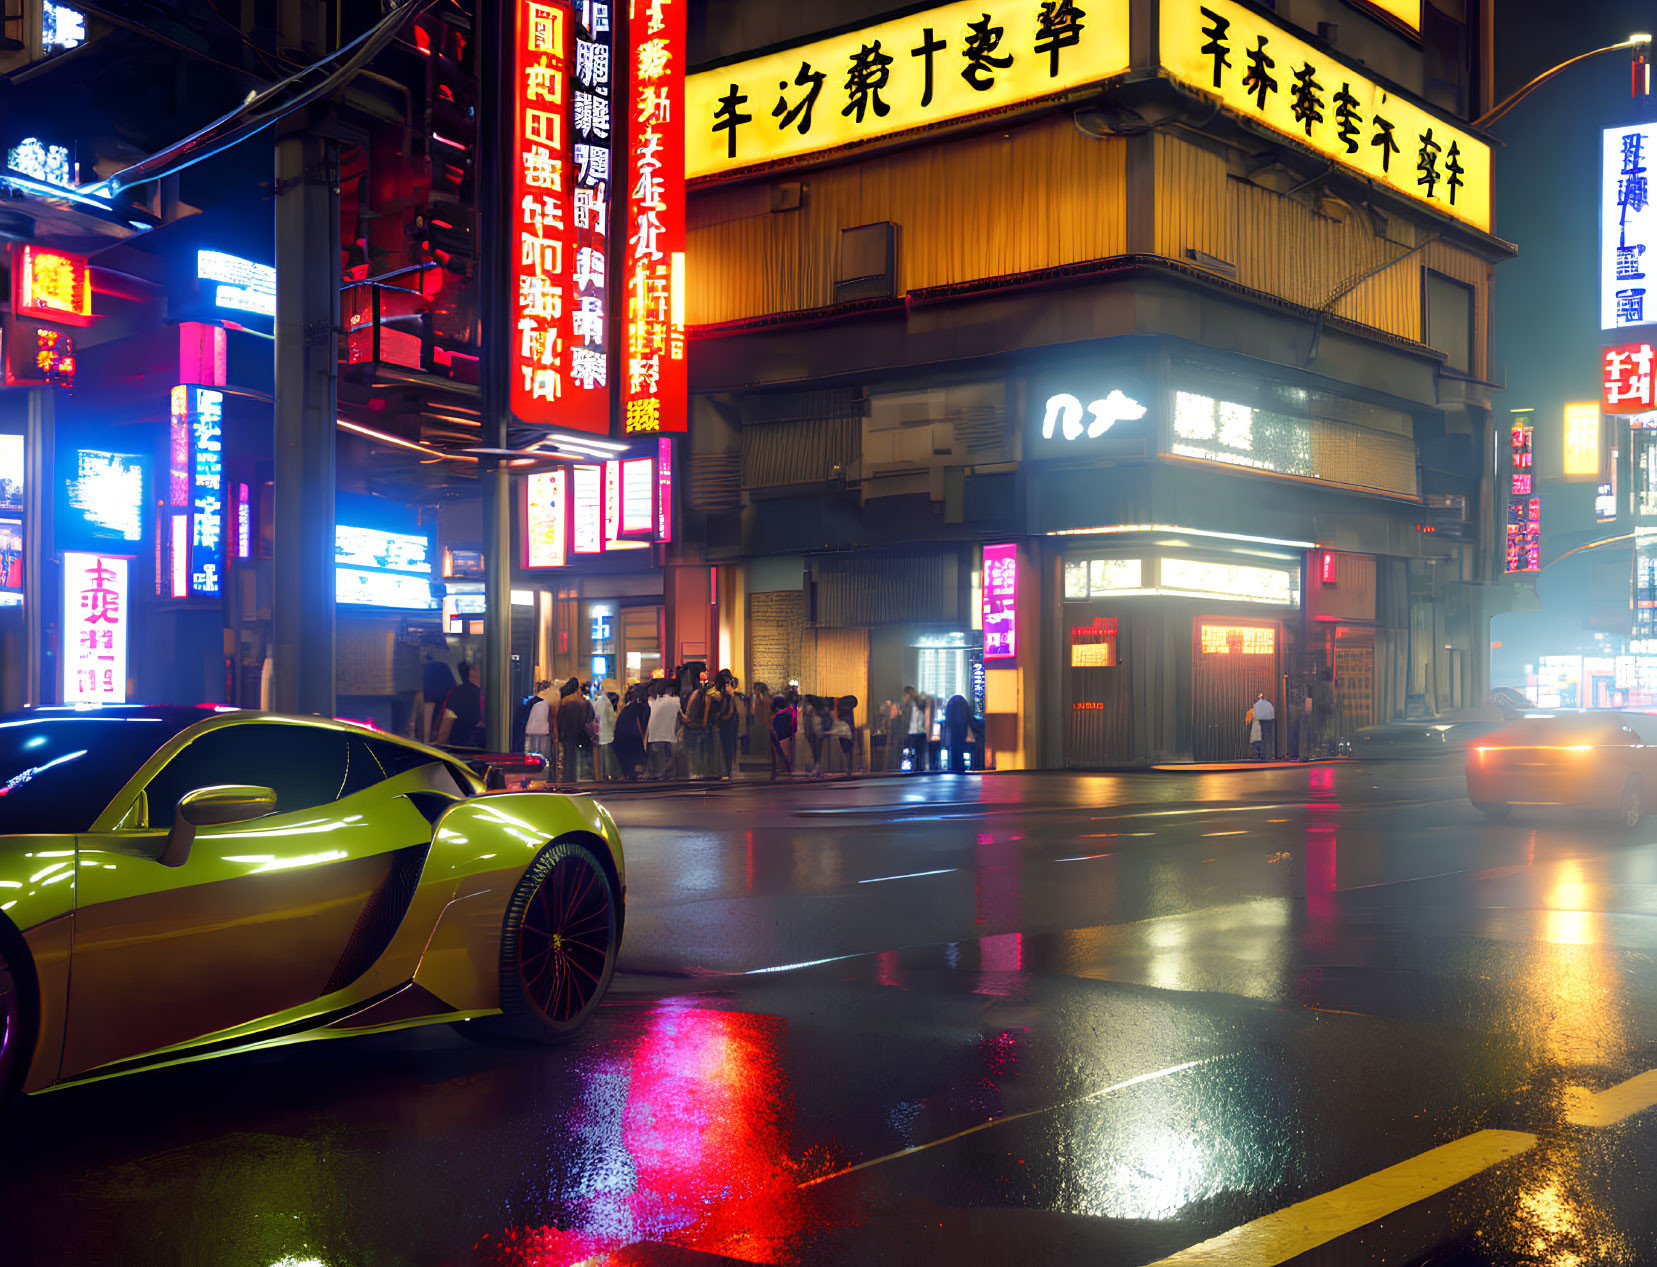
x=930, y=67
x=1256, y=69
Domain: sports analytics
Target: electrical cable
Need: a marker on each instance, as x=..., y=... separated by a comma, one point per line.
x=232, y=127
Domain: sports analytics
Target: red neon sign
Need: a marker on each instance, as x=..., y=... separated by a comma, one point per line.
x=653, y=272
x=1625, y=384
x=550, y=384
x=53, y=286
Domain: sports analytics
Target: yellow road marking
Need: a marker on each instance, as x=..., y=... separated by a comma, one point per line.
x=1611, y=1106
x=1278, y=1237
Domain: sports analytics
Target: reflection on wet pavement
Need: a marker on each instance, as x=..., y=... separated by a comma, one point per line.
x=1071, y=1034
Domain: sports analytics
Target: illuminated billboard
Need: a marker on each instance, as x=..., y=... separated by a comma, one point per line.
x=1628, y=226
x=102, y=498
x=376, y=568
x=546, y=519
x=95, y=615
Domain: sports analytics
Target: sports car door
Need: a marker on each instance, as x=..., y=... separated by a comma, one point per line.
x=256, y=920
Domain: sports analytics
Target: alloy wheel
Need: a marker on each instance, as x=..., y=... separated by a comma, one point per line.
x=564, y=939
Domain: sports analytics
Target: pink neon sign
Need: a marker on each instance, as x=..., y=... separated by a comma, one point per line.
x=1000, y=602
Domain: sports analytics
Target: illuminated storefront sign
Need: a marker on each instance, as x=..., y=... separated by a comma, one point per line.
x=638, y=496
x=544, y=257
x=999, y=605
x=52, y=285
x=55, y=357
x=653, y=270
x=50, y=164
x=1237, y=640
x=1582, y=439
x=1252, y=66
x=1524, y=508
x=95, y=613
x=1645, y=583
x=873, y=83
x=1628, y=226
x=1226, y=580
x=587, y=509
x=1065, y=415
x=11, y=563
x=239, y=284
x=377, y=568
x=1407, y=12
x=1241, y=435
x=546, y=519
x=1625, y=380
x=195, y=491
x=105, y=494
x=664, y=490
x=11, y=472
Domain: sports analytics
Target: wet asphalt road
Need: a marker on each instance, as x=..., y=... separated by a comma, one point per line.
x=1039, y=1018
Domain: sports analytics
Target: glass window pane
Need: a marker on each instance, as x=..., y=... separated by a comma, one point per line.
x=1075, y=578
x=305, y=766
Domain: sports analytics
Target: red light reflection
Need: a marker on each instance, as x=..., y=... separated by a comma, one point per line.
x=684, y=1141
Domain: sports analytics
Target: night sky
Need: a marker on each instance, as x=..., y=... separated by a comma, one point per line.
x=1547, y=335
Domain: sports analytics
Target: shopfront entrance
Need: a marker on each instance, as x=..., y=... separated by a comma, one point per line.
x=1234, y=662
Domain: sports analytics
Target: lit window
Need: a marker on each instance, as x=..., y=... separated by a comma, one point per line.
x=61, y=26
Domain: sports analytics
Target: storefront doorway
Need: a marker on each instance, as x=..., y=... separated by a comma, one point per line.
x=1235, y=661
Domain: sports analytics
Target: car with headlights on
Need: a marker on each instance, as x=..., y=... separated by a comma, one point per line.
x=1585, y=760
x=179, y=883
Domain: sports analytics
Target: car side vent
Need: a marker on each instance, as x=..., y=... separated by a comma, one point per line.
x=380, y=917
x=430, y=804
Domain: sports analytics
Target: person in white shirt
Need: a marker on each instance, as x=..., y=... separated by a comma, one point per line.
x=538, y=726
x=606, y=767
x=662, y=731
x=1263, y=731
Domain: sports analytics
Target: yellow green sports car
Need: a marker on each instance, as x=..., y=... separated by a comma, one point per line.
x=178, y=883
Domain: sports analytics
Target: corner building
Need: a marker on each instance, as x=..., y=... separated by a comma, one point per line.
x=1186, y=302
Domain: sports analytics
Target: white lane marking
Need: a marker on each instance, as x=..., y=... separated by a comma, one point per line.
x=1086, y=857
x=1010, y=1117
x=912, y=875
x=808, y=963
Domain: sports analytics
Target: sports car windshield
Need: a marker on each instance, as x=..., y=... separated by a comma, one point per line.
x=59, y=770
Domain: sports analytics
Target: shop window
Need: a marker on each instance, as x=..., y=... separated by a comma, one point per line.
x=1448, y=319
x=1245, y=640
x=1094, y=646
x=1096, y=578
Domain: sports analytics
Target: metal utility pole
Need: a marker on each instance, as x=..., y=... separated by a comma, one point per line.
x=41, y=617
x=307, y=360
x=493, y=473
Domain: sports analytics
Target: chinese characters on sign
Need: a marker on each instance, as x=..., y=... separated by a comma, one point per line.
x=589, y=324
x=1627, y=226
x=1094, y=646
x=195, y=491
x=1252, y=66
x=653, y=270
x=237, y=283
x=931, y=67
x=1625, y=384
x=550, y=384
x=1645, y=582
x=1581, y=439
x=1000, y=602
x=94, y=629
x=52, y=285
x=1524, y=510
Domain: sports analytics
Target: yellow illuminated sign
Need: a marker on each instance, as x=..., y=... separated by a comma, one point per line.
x=1407, y=12
x=933, y=66
x=1582, y=439
x=1258, y=70
x=1244, y=639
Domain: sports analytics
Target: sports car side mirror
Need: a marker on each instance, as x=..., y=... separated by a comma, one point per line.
x=211, y=807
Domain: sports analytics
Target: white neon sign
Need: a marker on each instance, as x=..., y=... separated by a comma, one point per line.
x=94, y=629
x=1628, y=226
x=242, y=284
x=1064, y=413
x=48, y=163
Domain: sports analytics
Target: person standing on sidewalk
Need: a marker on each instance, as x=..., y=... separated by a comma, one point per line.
x=660, y=733
x=575, y=739
x=914, y=713
x=605, y=767
x=730, y=723
x=538, y=728
x=632, y=723
x=782, y=735
x=1264, y=732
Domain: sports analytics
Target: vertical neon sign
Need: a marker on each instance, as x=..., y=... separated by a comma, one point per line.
x=664, y=490
x=540, y=300
x=588, y=322
x=1000, y=602
x=653, y=345
x=94, y=629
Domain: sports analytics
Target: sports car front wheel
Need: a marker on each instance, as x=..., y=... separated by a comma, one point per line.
x=558, y=945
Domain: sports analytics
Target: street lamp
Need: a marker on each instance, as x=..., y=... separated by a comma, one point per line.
x=1640, y=40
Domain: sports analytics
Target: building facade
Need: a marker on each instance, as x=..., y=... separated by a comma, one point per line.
x=1187, y=304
